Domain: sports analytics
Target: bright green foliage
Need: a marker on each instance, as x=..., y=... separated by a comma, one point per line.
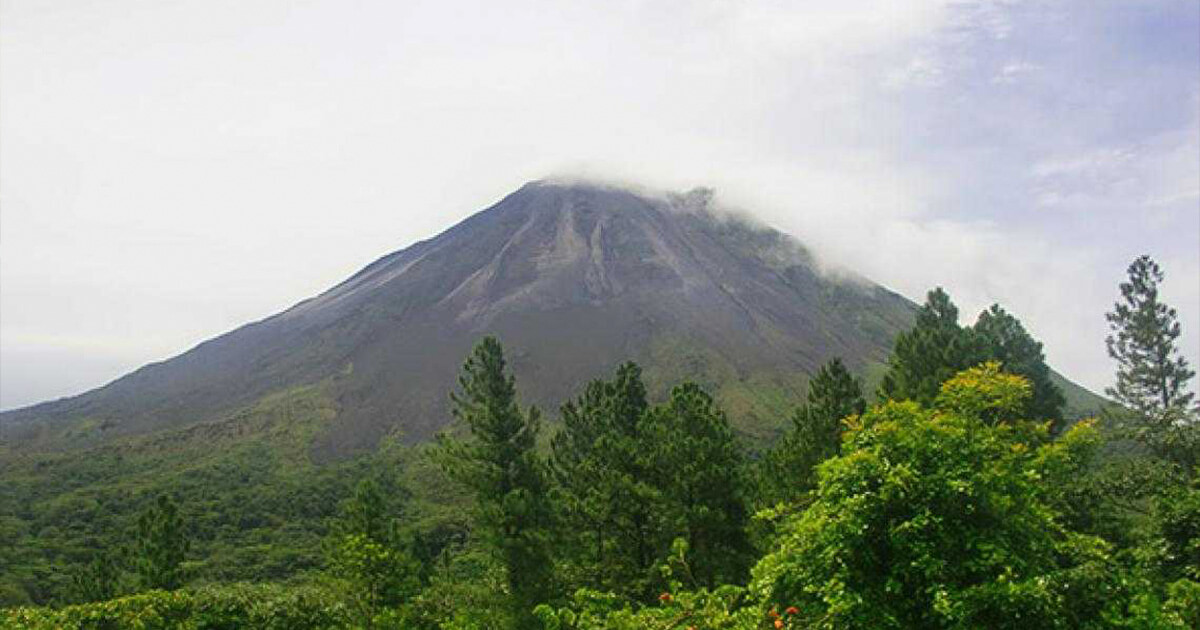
x=1070, y=485
x=934, y=350
x=1182, y=609
x=1176, y=608
x=610, y=513
x=786, y=471
x=497, y=461
x=227, y=607
x=935, y=519
x=698, y=467
x=1177, y=525
x=161, y=545
x=1019, y=353
x=699, y=610
x=465, y=593
x=677, y=607
x=377, y=575
x=366, y=514
x=986, y=393
x=1152, y=377
x=152, y=610
x=366, y=554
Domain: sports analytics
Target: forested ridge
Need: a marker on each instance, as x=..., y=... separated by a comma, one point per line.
x=955, y=496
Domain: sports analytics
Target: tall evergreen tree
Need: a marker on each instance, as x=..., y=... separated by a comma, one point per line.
x=697, y=464
x=1151, y=375
x=98, y=580
x=786, y=472
x=607, y=505
x=497, y=461
x=928, y=355
x=161, y=545
x=1007, y=341
x=936, y=348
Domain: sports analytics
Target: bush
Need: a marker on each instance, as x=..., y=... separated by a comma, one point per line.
x=234, y=606
x=152, y=610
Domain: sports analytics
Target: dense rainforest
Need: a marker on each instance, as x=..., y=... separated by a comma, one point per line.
x=955, y=496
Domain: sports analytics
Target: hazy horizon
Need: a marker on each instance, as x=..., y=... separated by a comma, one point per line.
x=170, y=171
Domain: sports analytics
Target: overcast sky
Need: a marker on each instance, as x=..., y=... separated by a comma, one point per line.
x=172, y=169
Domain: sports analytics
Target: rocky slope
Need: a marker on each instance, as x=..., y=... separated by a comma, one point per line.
x=574, y=278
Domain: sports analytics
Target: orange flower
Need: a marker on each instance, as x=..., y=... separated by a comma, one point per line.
x=665, y=597
x=778, y=623
x=792, y=610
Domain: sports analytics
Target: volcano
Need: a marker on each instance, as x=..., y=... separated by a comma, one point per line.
x=573, y=278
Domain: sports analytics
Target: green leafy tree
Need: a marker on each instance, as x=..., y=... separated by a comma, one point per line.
x=696, y=463
x=367, y=554
x=786, y=471
x=987, y=393
x=936, y=518
x=366, y=513
x=1007, y=341
x=935, y=349
x=1177, y=526
x=497, y=461
x=609, y=511
x=161, y=546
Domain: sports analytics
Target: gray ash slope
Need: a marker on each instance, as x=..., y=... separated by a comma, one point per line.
x=573, y=278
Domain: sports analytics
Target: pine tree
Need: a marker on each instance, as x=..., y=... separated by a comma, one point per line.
x=98, y=580
x=161, y=545
x=1007, y=341
x=937, y=348
x=928, y=355
x=698, y=466
x=786, y=472
x=498, y=463
x=608, y=507
x=1151, y=375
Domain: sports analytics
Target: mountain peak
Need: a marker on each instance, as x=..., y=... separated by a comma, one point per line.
x=574, y=276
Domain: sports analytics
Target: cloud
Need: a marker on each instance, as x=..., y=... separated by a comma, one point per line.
x=1013, y=71
x=172, y=172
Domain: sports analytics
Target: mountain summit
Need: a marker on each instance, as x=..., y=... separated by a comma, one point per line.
x=573, y=278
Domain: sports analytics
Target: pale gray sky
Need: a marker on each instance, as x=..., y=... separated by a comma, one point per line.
x=172, y=169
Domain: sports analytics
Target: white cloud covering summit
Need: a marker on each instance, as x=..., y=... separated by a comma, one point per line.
x=169, y=170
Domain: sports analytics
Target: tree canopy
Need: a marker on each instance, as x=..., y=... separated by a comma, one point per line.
x=497, y=460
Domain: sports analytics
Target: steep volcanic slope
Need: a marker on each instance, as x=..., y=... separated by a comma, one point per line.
x=573, y=278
